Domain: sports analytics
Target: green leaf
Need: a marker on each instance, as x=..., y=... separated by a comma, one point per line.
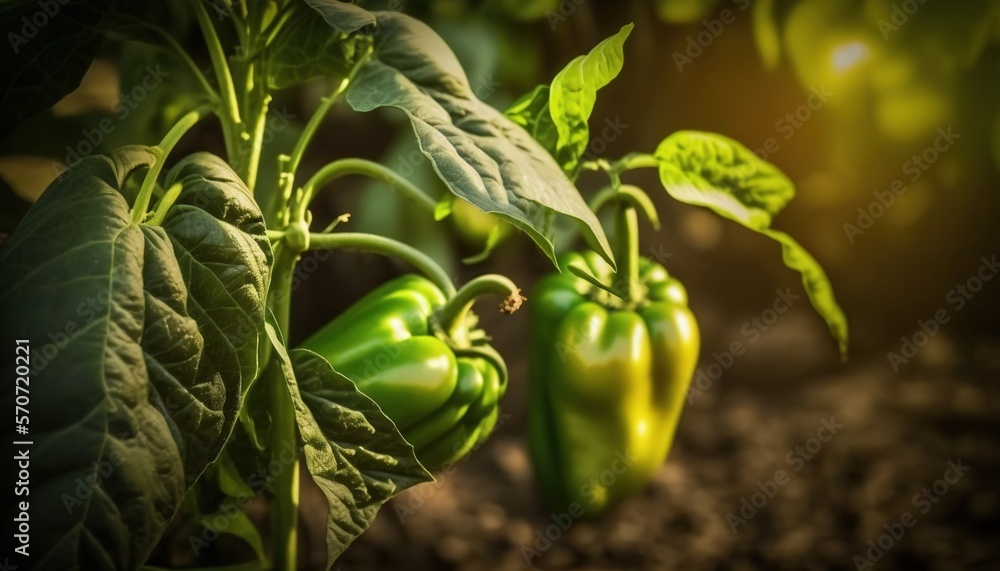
x=766, y=36
x=574, y=92
x=141, y=339
x=343, y=17
x=531, y=112
x=353, y=451
x=710, y=170
x=306, y=49
x=817, y=286
x=481, y=155
x=557, y=115
x=43, y=63
x=715, y=171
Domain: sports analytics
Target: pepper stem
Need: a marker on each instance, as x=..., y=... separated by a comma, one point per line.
x=452, y=314
x=627, y=252
x=387, y=247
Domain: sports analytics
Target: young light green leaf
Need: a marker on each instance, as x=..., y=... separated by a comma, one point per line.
x=141, y=340
x=765, y=33
x=710, y=170
x=481, y=155
x=557, y=115
x=353, y=451
x=715, y=171
x=574, y=91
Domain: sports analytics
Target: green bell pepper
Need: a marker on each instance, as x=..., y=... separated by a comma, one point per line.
x=608, y=380
x=416, y=352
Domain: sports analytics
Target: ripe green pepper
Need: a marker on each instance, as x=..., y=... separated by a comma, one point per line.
x=416, y=352
x=608, y=379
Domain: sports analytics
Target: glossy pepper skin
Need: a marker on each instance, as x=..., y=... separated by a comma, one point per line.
x=608, y=382
x=444, y=404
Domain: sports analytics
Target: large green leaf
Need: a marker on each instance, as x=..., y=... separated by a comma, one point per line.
x=481, y=155
x=353, y=451
x=305, y=49
x=710, y=170
x=557, y=115
x=141, y=339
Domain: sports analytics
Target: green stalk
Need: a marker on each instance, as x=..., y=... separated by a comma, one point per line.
x=231, y=122
x=387, y=247
x=165, y=203
x=291, y=165
x=284, y=515
x=451, y=316
x=344, y=167
x=626, y=251
x=162, y=151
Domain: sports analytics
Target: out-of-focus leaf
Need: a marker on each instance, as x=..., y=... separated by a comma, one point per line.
x=765, y=33
x=710, y=170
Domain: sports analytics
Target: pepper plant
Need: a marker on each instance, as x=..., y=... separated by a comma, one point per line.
x=156, y=300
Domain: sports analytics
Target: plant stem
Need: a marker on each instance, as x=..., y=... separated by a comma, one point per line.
x=388, y=247
x=284, y=516
x=162, y=150
x=626, y=250
x=291, y=165
x=343, y=167
x=222, y=74
x=452, y=314
x=165, y=203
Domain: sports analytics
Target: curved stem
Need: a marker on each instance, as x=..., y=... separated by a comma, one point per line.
x=635, y=161
x=386, y=247
x=452, y=314
x=162, y=150
x=630, y=194
x=219, y=63
x=363, y=167
x=291, y=166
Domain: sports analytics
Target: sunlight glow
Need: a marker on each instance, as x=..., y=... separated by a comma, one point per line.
x=849, y=55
